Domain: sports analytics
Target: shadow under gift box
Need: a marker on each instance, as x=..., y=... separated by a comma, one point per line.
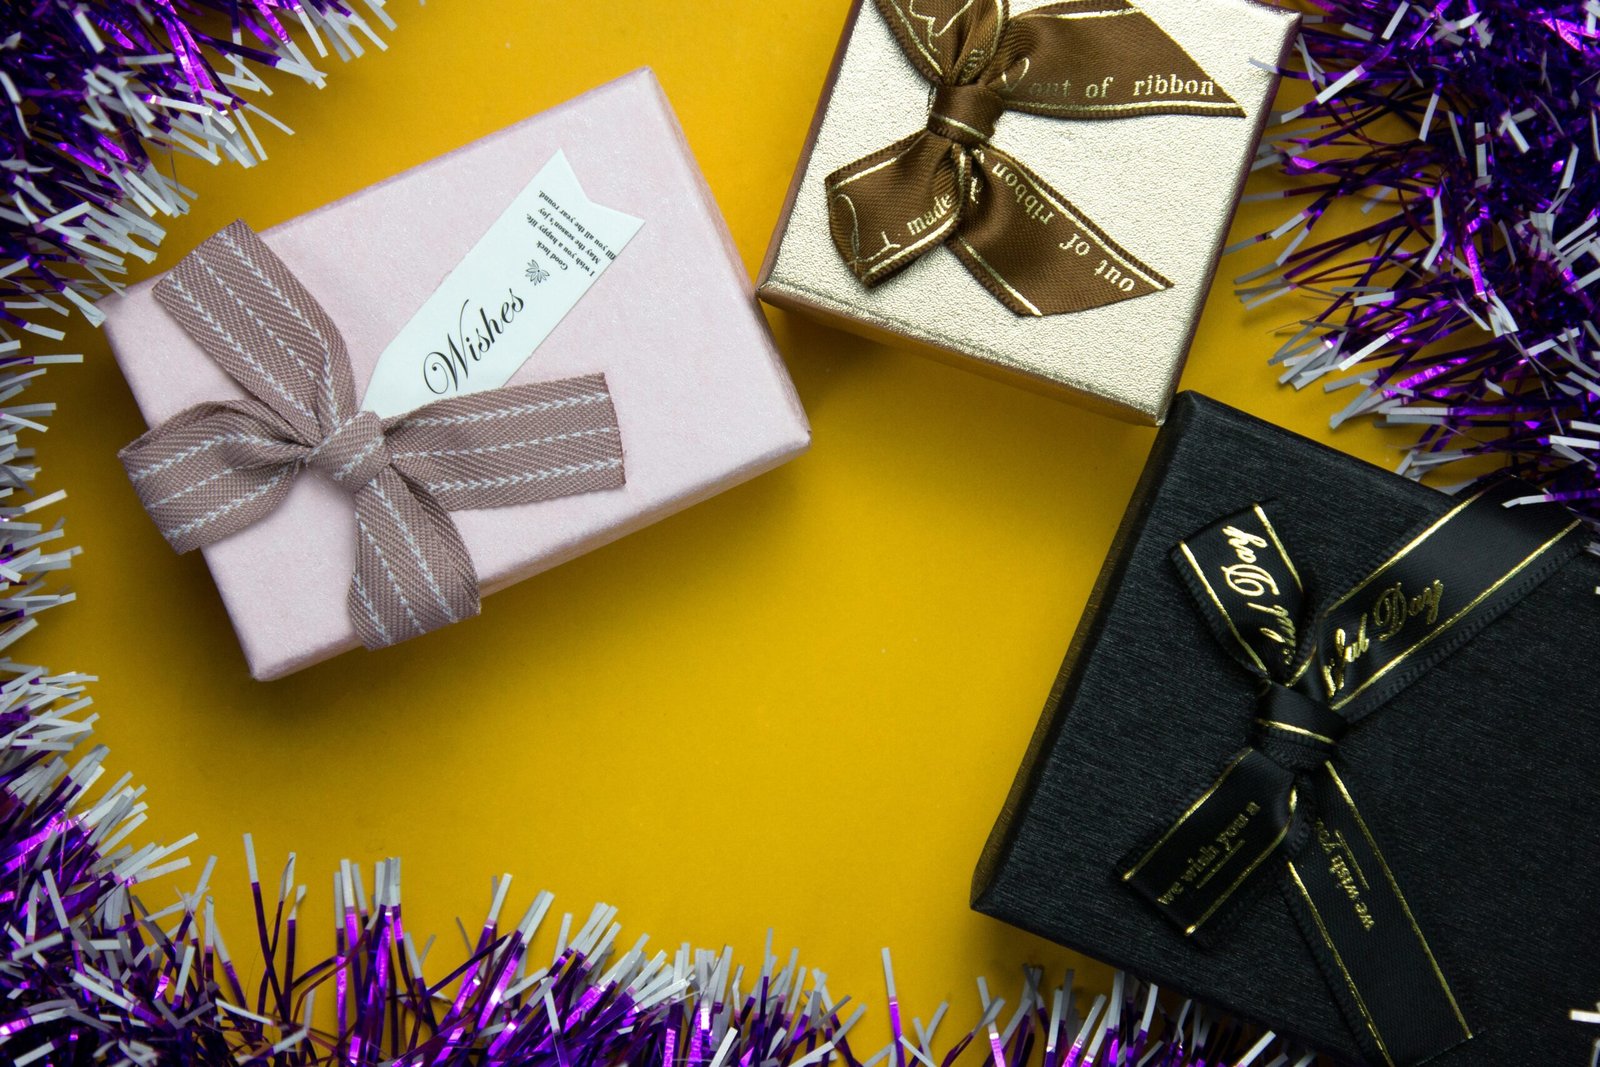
x=703, y=400
x=1163, y=186
x=1477, y=779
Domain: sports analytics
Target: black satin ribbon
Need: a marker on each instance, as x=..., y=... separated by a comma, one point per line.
x=1280, y=807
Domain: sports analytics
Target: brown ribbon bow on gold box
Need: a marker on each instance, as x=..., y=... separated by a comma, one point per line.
x=1020, y=238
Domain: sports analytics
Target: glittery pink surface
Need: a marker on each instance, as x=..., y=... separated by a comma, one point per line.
x=702, y=396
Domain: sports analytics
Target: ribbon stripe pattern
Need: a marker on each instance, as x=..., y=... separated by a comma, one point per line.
x=946, y=184
x=217, y=468
x=1281, y=806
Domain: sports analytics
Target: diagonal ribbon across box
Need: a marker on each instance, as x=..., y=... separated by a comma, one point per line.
x=1281, y=807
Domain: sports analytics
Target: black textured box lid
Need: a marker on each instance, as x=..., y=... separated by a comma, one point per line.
x=1479, y=780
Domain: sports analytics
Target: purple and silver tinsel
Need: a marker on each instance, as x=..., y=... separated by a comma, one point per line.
x=97, y=97
x=91, y=975
x=1467, y=307
x=1461, y=298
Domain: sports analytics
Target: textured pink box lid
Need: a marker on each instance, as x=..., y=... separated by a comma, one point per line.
x=702, y=396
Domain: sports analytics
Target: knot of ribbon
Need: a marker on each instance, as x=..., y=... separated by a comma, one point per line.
x=946, y=184
x=1296, y=731
x=354, y=452
x=1281, y=810
x=219, y=467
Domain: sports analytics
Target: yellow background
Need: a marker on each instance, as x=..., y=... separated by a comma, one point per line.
x=798, y=705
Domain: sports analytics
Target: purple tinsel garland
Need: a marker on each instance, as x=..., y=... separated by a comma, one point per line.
x=90, y=975
x=1465, y=303
x=96, y=95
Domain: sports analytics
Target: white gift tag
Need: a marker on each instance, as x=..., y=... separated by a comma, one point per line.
x=504, y=298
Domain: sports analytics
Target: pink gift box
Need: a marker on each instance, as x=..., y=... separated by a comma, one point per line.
x=702, y=396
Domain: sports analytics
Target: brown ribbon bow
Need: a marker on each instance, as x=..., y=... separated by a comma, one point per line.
x=216, y=468
x=1039, y=255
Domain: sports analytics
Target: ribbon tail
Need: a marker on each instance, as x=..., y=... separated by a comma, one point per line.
x=889, y=209
x=212, y=470
x=413, y=573
x=1039, y=255
x=1365, y=939
x=520, y=444
x=1101, y=59
x=1219, y=847
x=1249, y=592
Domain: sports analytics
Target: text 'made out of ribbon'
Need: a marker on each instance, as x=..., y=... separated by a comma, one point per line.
x=947, y=184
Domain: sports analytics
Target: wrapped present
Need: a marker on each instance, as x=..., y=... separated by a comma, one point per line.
x=1038, y=191
x=371, y=414
x=1321, y=752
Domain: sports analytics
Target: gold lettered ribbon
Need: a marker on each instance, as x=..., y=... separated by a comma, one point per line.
x=1281, y=807
x=946, y=184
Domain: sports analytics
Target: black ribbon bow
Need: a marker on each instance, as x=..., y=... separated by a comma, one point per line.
x=1281, y=805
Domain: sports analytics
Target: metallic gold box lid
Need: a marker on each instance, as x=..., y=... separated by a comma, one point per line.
x=1164, y=185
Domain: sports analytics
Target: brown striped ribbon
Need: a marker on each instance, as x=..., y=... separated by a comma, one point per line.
x=946, y=184
x=216, y=468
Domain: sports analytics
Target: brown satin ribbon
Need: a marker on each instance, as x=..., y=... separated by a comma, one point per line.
x=216, y=468
x=946, y=184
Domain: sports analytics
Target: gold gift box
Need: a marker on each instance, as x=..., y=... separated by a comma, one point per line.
x=1164, y=186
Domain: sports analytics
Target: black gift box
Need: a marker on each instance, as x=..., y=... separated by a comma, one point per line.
x=1479, y=779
